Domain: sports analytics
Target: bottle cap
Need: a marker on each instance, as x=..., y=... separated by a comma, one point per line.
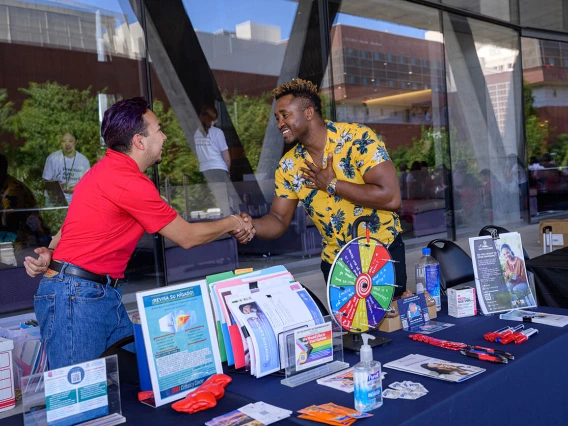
x=426, y=251
x=366, y=351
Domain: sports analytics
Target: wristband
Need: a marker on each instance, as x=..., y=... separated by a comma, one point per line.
x=237, y=219
x=50, y=248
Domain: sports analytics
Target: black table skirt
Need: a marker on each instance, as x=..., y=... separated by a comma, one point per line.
x=551, y=278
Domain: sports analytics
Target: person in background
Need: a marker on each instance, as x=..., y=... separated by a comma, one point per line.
x=339, y=171
x=66, y=166
x=79, y=302
x=18, y=217
x=211, y=147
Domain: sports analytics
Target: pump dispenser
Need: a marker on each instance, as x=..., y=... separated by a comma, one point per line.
x=368, y=391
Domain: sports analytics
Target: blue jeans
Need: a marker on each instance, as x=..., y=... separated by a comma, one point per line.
x=79, y=319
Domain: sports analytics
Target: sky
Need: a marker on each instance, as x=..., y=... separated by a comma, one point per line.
x=212, y=15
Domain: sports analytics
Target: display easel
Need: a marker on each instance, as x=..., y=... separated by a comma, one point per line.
x=37, y=409
x=297, y=373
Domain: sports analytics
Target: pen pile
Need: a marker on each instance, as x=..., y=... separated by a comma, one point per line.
x=507, y=335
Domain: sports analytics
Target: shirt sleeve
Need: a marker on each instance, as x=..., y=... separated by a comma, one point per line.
x=48, y=169
x=283, y=181
x=369, y=150
x=142, y=200
x=220, y=140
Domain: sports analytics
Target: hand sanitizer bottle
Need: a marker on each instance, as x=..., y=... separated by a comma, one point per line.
x=367, y=378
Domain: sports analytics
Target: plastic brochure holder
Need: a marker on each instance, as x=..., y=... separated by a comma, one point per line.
x=297, y=373
x=35, y=407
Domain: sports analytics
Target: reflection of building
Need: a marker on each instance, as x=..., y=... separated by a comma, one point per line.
x=545, y=69
x=386, y=81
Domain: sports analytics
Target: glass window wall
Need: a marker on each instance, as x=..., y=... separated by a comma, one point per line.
x=62, y=66
x=399, y=93
x=484, y=92
x=545, y=75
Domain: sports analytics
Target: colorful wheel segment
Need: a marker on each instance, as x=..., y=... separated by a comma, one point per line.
x=360, y=286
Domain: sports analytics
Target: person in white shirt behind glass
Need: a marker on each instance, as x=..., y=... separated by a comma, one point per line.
x=66, y=166
x=211, y=147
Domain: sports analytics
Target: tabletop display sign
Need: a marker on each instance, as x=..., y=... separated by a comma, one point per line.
x=86, y=393
x=180, y=339
x=413, y=311
x=500, y=273
x=313, y=346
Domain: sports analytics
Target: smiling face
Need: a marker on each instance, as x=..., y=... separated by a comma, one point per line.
x=292, y=117
x=68, y=144
x=507, y=253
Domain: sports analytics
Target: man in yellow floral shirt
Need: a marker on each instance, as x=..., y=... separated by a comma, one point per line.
x=340, y=171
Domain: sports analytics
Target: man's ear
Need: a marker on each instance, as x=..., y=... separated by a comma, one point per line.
x=138, y=142
x=309, y=113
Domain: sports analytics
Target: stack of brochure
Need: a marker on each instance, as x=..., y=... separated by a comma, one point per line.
x=258, y=413
x=436, y=368
x=252, y=311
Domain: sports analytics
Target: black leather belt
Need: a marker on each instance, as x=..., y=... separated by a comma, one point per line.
x=81, y=273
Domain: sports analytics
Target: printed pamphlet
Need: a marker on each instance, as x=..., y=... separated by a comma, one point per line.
x=435, y=368
x=255, y=414
x=536, y=317
x=500, y=273
x=342, y=380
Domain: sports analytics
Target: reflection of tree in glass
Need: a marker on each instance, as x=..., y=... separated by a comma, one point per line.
x=250, y=115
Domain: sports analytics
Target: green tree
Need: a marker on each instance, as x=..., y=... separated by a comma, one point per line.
x=536, y=130
x=6, y=110
x=250, y=115
x=50, y=110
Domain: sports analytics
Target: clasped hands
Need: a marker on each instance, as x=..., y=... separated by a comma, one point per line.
x=247, y=232
x=316, y=177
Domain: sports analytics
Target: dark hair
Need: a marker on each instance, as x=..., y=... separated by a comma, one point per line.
x=303, y=89
x=207, y=116
x=507, y=246
x=122, y=121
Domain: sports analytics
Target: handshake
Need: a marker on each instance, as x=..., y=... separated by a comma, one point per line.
x=245, y=231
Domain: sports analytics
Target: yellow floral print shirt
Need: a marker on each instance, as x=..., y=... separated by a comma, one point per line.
x=356, y=149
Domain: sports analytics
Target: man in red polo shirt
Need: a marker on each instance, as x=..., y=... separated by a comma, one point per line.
x=78, y=304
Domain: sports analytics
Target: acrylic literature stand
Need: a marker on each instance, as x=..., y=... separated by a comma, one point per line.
x=85, y=394
x=310, y=352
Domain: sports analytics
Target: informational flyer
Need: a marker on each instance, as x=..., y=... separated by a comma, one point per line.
x=500, y=273
x=413, y=311
x=180, y=339
x=313, y=346
x=77, y=393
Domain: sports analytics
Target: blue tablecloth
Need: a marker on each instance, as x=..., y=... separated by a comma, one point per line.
x=528, y=391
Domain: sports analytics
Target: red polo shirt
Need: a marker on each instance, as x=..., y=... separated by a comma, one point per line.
x=113, y=204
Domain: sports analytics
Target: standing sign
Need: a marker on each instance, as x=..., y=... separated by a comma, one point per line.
x=179, y=337
x=76, y=393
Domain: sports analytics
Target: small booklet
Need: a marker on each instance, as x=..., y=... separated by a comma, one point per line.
x=435, y=368
x=536, y=317
x=255, y=414
x=342, y=380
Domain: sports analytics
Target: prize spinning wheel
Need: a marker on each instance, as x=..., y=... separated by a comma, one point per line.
x=360, y=287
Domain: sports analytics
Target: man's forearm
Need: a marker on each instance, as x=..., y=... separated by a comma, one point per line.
x=269, y=227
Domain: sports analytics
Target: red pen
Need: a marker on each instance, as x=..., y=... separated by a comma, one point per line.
x=509, y=335
x=525, y=335
x=492, y=335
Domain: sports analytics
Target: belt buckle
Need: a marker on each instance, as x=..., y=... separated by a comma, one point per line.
x=114, y=283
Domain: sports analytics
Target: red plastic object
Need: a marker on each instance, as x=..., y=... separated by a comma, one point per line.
x=218, y=379
x=218, y=391
x=198, y=400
